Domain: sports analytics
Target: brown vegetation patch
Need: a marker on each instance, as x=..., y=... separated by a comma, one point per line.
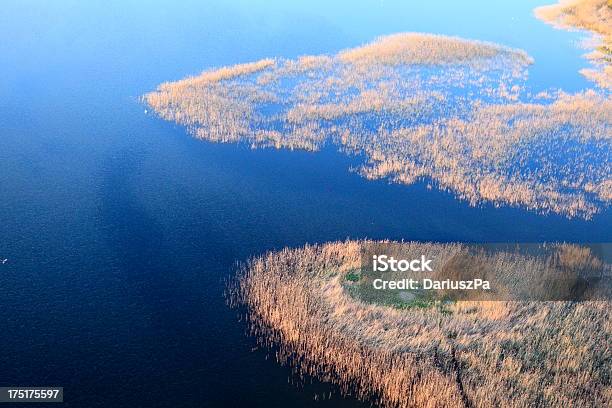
x=480, y=354
x=594, y=16
x=417, y=106
x=418, y=48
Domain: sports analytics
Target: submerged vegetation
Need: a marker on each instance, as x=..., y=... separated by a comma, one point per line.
x=451, y=111
x=420, y=353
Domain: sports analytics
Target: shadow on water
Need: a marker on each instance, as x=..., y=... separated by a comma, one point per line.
x=175, y=294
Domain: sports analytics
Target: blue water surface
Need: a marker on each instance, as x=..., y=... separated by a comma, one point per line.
x=120, y=229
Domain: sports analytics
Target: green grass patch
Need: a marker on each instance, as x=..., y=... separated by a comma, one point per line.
x=352, y=276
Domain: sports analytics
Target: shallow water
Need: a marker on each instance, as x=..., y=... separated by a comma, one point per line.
x=120, y=229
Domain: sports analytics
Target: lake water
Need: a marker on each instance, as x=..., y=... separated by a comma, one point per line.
x=120, y=229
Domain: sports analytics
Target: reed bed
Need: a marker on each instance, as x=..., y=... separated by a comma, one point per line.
x=476, y=354
x=591, y=15
x=449, y=111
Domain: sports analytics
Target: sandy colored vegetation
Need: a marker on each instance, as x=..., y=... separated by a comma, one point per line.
x=591, y=15
x=492, y=154
x=473, y=354
x=418, y=48
x=450, y=111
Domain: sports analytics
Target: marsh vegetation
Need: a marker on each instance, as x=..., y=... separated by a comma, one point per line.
x=458, y=114
x=451, y=111
x=594, y=16
x=466, y=353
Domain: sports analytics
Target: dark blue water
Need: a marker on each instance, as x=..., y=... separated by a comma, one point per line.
x=120, y=229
